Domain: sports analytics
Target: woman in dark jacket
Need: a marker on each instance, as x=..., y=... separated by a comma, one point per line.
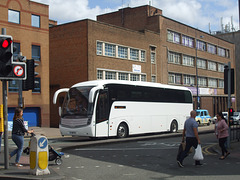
x=18, y=132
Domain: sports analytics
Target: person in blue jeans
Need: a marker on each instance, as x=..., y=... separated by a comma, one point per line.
x=18, y=132
x=192, y=138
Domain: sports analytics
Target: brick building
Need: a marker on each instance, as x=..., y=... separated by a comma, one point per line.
x=139, y=44
x=234, y=37
x=28, y=23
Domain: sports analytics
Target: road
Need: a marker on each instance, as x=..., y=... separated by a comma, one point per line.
x=145, y=159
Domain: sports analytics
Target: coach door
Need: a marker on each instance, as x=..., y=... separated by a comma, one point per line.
x=102, y=114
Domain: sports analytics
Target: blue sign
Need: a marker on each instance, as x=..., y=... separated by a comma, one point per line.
x=42, y=142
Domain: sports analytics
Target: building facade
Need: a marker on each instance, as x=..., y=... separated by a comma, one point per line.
x=140, y=44
x=28, y=23
x=234, y=37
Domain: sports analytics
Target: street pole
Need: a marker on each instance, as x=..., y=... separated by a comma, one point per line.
x=20, y=100
x=229, y=102
x=197, y=73
x=5, y=113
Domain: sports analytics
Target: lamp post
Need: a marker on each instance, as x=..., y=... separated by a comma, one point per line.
x=197, y=75
x=198, y=99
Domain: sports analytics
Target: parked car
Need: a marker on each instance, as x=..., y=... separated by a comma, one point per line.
x=235, y=118
x=203, y=117
x=225, y=115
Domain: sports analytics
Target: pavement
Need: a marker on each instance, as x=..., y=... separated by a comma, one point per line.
x=53, y=134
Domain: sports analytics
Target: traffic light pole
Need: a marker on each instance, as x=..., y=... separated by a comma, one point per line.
x=229, y=102
x=5, y=113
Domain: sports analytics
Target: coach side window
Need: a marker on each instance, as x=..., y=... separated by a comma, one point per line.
x=102, y=107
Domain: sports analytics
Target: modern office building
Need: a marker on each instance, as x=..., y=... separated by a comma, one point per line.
x=140, y=44
x=28, y=23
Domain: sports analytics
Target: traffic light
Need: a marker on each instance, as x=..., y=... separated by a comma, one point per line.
x=226, y=69
x=231, y=112
x=6, y=52
x=28, y=84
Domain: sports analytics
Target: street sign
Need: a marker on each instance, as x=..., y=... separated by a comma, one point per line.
x=18, y=70
x=42, y=142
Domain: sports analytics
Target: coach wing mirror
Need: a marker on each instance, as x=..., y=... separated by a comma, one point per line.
x=55, y=96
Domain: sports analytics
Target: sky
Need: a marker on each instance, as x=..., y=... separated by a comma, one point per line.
x=201, y=14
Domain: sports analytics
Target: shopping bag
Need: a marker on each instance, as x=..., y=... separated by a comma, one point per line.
x=181, y=148
x=198, y=153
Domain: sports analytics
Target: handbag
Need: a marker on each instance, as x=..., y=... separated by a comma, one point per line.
x=198, y=153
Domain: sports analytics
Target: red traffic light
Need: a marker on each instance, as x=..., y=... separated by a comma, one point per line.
x=231, y=110
x=6, y=43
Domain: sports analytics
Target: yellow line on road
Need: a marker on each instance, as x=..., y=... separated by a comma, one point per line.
x=206, y=151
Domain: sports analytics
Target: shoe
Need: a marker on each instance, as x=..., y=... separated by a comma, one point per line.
x=180, y=164
x=18, y=165
x=198, y=164
x=222, y=158
x=227, y=154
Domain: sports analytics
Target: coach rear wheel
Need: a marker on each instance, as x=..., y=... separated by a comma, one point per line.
x=174, y=127
x=122, y=131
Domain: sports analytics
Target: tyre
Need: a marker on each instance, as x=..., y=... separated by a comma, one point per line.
x=122, y=131
x=58, y=161
x=174, y=127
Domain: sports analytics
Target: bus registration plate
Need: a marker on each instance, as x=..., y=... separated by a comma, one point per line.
x=72, y=132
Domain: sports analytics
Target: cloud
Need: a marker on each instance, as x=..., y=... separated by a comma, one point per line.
x=195, y=13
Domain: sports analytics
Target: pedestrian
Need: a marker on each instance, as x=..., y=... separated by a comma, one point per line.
x=221, y=132
x=18, y=132
x=192, y=138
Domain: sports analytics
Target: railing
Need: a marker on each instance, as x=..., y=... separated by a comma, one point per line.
x=235, y=132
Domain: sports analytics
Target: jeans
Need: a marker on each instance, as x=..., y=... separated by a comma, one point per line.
x=190, y=142
x=18, y=140
x=222, y=145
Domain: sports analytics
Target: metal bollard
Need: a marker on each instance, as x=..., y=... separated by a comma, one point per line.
x=39, y=155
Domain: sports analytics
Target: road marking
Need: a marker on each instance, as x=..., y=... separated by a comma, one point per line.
x=206, y=151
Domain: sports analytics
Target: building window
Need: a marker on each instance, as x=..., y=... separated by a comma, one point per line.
x=110, y=75
x=227, y=54
x=134, y=77
x=35, y=21
x=212, y=83
x=174, y=78
x=211, y=49
x=202, y=81
x=99, y=74
x=212, y=66
x=122, y=52
x=17, y=50
x=221, y=52
x=153, y=79
x=110, y=50
x=13, y=86
x=201, y=45
x=37, y=85
x=221, y=83
x=14, y=16
x=99, y=48
x=153, y=57
x=189, y=80
x=122, y=76
x=220, y=67
x=174, y=57
x=187, y=41
x=201, y=63
x=143, y=78
x=173, y=37
x=188, y=60
x=134, y=54
x=143, y=56
x=36, y=53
